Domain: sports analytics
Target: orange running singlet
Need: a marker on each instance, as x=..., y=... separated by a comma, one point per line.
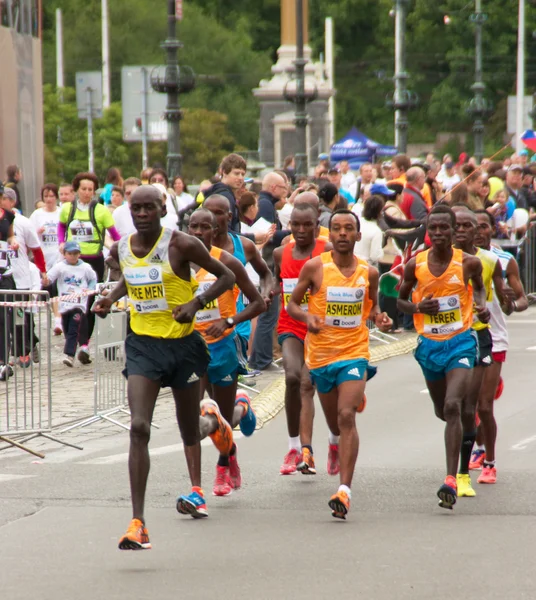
x=343, y=304
x=220, y=308
x=455, y=298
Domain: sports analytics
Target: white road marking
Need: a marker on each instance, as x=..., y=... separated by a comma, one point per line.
x=521, y=321
x=524, y=443
x=123, y=457
x=531, y=348
x=8, y=477
x=425, y=391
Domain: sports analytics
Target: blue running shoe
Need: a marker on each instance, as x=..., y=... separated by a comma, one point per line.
x=447, y=493
x=249, y=421
x=193, y=504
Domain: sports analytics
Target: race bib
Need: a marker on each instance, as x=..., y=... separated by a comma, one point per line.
x=344, y=306
x=288, y=288
x=210, y=312
x=145, y=288
x=4, y=255
x=69, y=303
x=447, y=320
x=50, y=235
x=81, y=231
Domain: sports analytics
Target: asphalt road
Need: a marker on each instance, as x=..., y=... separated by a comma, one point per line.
x=60, y=519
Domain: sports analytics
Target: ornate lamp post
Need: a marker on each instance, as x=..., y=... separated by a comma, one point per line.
x=174, y=82
x=479, y=107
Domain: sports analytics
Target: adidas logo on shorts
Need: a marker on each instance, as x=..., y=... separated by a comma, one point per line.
x=193, y=378
x=464, y=361
x=227, y=378
x=487, y=360
x=355, y=372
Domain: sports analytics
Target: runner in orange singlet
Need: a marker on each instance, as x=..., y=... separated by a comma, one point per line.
x=447, y=347
x=343, y=293
x=216, y=322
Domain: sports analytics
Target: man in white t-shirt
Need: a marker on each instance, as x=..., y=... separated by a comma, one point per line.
x=26, y=235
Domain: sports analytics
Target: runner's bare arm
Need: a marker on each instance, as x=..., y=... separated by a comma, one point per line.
x=278, y=256
x=428, y=306
x=515, y=287
x=472, y=269
x=254, y=257
x=256, y=304
x=381, y=319
x=184, y=249
x=498, y=284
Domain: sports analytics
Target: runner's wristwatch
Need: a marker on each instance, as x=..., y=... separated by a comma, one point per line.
x=229, y=321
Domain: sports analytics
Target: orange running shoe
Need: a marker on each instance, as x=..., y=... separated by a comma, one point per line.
x=290, y=462
x=136, y=537
x=223, y=436
x=339, y=504
x=307, y=465
x=448, y=492
x=363, y=404
x=488, y=475
x=477, y=458
x=334, y=466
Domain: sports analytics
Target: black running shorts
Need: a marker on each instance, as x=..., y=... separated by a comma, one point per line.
x=176, y=363
x=485, y=346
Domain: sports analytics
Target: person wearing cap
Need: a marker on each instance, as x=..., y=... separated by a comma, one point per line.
x=74, y=278
x=345, y=198
x=448, y=177
x=28, y=240
x=514, y=182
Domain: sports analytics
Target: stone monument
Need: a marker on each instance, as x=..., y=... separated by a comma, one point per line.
x=277, y=130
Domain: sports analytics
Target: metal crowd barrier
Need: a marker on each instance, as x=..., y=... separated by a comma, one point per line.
x=25, y=377
x=524, y=251
x=110, y=390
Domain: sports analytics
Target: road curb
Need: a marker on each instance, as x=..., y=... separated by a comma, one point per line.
x=271, y=401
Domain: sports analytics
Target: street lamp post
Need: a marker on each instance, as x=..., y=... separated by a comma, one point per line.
x=401, y=77
x=402, y=100
x=479, y=108
x=172, y=84
x=301, y=105
x=300, y=97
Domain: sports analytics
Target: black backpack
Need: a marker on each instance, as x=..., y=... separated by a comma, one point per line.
x=92, y=207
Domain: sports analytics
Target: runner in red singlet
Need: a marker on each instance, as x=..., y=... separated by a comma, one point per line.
x=299, y=392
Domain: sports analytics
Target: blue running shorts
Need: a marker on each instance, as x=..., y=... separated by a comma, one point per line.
x=437, y=358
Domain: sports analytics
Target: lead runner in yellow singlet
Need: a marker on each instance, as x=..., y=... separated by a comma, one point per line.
x=343, y=294
x=445, y=280
x=163, y=349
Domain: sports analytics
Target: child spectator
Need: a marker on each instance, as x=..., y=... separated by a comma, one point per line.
x=74, y=276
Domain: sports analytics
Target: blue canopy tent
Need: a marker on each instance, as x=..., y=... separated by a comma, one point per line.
x=357, y=148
